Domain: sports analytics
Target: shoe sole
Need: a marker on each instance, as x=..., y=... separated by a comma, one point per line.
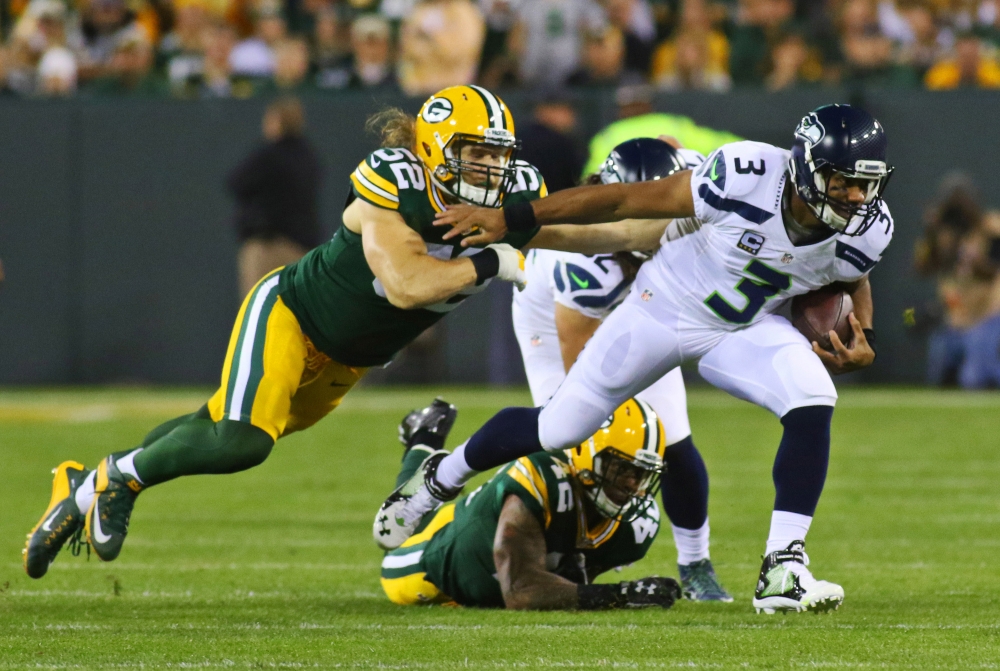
x=822, y=605
x=60, y=492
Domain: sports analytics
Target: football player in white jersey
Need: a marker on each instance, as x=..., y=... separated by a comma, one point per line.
x=775, y=224
x=567, y=297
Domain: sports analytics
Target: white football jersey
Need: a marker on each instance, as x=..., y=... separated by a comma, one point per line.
x=591, y=285
x=740, y=265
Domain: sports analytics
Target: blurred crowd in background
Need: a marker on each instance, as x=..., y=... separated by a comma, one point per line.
x=242, y=48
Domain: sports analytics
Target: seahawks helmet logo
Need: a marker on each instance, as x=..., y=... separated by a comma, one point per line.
x=811, y=130
x=437, y=110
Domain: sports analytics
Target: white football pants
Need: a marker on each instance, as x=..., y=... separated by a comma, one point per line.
x=769, y=363
x=543, y=364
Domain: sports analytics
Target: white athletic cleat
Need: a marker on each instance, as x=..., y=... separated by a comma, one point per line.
x=785, y=584
x=400, y=514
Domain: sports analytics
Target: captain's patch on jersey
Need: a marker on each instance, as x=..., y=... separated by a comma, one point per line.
x=751, y=242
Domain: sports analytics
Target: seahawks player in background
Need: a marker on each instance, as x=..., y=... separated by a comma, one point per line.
x=308, y=332
x=774, y=224
x=543, y=528
x=567, y=297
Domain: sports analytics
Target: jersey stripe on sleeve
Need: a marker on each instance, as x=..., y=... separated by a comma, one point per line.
x=374, y=188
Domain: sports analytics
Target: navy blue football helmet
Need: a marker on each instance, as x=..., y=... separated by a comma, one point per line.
x=641, y=160
x=848, y=141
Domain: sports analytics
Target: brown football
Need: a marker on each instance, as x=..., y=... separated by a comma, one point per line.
x=818, y=312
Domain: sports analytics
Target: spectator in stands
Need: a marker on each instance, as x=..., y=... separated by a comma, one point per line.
x=276, y=190
x=57, y=73
x=180, y=50
x=636, y=118
x=867, y=52
x=106, y=26
x=291, y=65
x=793, y=63
x=254, y=56
x=41, y=27
x=331, y=53
x=696, y=57
x=496, y=67
x=548, y=142
x=371, y=47
x=918, y=44
x=961, y=248
x=216, y=78
x=547, y=42
x=968, y=67
x=603, y=59
x=760, y=26
x=128, y=71
x=634, y=18
x=440, y=45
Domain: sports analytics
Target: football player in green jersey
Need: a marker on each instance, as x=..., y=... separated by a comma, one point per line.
x=543, y=528
x=308, y=332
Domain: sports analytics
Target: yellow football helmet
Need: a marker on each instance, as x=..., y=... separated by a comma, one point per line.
x=465, y=137
x=619, y=467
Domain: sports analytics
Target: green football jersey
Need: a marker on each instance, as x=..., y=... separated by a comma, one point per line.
x=458, y=559
x=334, y=294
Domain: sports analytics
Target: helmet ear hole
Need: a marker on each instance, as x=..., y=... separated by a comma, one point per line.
x=427, y=148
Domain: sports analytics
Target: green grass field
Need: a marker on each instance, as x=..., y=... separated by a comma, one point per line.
x=275, y=567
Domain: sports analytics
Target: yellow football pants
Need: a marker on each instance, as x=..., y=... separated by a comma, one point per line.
x=274, y=377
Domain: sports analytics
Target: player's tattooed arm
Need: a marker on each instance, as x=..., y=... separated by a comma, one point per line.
x=398, y=257
x=860, y=354
x=667, y=198
x=519, y=555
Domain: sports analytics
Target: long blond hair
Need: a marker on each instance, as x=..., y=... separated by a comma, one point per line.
x=393, y=127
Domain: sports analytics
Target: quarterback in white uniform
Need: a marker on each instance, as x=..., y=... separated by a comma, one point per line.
x=775, y=224
x=567, y=296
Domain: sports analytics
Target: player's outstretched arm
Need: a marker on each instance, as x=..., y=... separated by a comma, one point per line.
x=519, y=555
x=669, y=197
x=861, y=354
x=630, y=235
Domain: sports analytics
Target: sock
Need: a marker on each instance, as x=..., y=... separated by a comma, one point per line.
x=411, y=462
x=692, y=544
x=85, y=493
x=785, y=528
x=126, y=464
x=200, y=446
x=453, y=471
x=510, y=434
x=685, y=487
x=800, y=466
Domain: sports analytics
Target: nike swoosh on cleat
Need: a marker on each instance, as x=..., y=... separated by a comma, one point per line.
x=99, y=534
x=48, y=523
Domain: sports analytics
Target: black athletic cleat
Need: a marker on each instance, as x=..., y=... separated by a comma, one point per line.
x=699, y=582
x=431, y=424
x=109, y=514
x=61, y=522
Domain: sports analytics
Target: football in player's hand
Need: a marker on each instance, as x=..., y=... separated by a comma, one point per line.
x=818, y=312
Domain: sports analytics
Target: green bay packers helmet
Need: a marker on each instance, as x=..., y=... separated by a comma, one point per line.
x=619, y=467
x=450, y=124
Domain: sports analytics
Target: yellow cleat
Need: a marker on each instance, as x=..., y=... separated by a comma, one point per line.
x=61, y=522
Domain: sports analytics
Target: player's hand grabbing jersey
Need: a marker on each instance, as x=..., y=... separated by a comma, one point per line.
x=741, y=265
x=458, y=559
x=334, y=294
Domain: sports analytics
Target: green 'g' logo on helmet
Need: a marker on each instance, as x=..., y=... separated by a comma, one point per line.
x=437, y=110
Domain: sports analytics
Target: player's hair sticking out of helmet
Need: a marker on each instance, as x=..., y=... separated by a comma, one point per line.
x=393, y=127
x=619, y=467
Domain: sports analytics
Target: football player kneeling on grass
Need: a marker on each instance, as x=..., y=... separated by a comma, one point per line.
x=543, y=528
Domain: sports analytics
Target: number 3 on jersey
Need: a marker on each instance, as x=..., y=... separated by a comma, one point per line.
x=757, y=293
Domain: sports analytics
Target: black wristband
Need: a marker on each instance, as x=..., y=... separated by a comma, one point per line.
x=519, y=217
x=598, y=597
x=870, y=337
x=486, y=263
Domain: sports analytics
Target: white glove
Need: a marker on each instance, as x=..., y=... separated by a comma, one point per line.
x=511, y=265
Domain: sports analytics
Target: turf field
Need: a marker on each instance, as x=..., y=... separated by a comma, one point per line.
x=275, y=567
